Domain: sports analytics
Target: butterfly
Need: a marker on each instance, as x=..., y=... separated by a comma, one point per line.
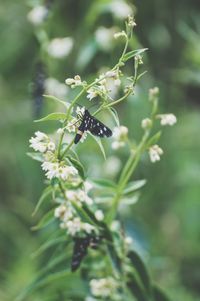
x=81, y=245
x=90, y=123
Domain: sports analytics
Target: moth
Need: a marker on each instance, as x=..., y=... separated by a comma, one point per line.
x=81, y=245
x=93, y=125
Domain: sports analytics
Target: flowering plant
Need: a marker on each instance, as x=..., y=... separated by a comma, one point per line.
x=85, y=210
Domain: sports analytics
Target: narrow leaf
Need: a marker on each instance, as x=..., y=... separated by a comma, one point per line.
x=133, y=186
x=48, y=244
x=136, y=288
x=115, y=115
x=159, y=295
x=141, y=270
x=133, y=53
x=105, y=183
x=35, y=156
x=53, y=116
x=78, y=166
x=51, y=97
x=43, y=197
x=98, y=141
x=154, y=139
x=45, y=221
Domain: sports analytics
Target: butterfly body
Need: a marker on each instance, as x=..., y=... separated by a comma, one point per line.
x=90, y=123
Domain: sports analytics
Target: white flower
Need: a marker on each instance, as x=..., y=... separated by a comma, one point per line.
x=120, y=132
x=39, y=142
x=60, y=211
x=80, y=110
x=65, y=172
x=117, y=144
x=112, y=165
x=51, y=146
x=138, y=58
x=88, y=186
x=99, y=215
x=119, y=135
x=131, y=21
x=146, y=123
x=87, y=227
x=104, y=287
x=155, y=152
x=92, y=93
x=167, y=119
x=153, y=93
x=128, y=240
x=78, y=196
x=60, y=47
x=104, y=37
x=37, y=15
x=52, y=169
x=55, y=88
x=120, y=9
x=120, y=34
x=74, y=226
x=74, y=82
x=60, y=130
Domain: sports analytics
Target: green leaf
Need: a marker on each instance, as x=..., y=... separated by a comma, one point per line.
x=98, y=141
x=159, y=295
x=154, y=139
x=53, y=116
x=130, y=200
x=35, y=156
x=141, y=270
x=48, y=244
x=45, y=221
x=78, y=166
x=51, y=97
x=115, y=115
x=43, y=197
x=104, y=183
x=133, y=53
x=136, y=289
x=133, y=186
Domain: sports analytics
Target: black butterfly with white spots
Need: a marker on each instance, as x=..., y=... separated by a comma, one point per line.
x=90, y=123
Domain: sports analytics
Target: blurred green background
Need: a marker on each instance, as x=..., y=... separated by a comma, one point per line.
x=165, y=222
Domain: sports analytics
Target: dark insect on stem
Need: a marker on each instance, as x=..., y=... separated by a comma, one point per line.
x=81, y=245
x=93, y=125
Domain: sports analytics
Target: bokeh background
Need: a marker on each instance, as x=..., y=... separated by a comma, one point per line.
x=164, y=223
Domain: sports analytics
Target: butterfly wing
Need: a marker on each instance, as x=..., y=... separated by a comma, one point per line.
x=97, y=128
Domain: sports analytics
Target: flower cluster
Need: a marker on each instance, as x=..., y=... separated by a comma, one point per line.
x=60, y=47
x=37, y=15
x=59, y=170
x=70, y=221
x=41, y=142
x=74, y=82
x=167, y=119
x=155, y=152
x=104, y=287
x=120, y=136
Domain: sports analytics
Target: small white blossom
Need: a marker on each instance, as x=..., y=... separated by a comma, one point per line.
x=99, y=215
x=167, y=119
x=60, y=47
x=88, y=186
x=146, y=123
x=155, y=152
x=131, y=21
x=119, y=135
x=104, y=287
x=104, y=37
x=87, y=227
x=128, y=240
x=80, y=110
x=120, y=34
x=91, y=93
x=60, y=211
x=37, y=15
x=60, y=130
x=39, y=142
x=120, y=9
x=55, y=88
x=51, y=146
x=138, y=58
x=153, y=93
x=74, y=226
x=74, y=82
